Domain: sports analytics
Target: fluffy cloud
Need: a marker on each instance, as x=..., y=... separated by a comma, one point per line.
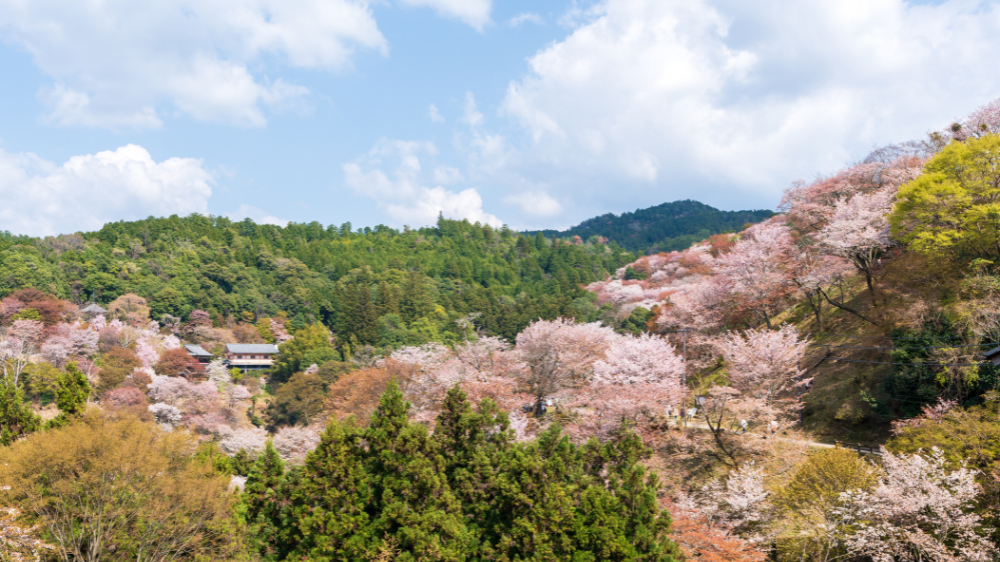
x=476, y=13
x=401, y=193
x=525, y=17
x=42, y=198
x=434, y=114
x=726, y=101
x=536, y=204
x=255, y=214
x=121, y=65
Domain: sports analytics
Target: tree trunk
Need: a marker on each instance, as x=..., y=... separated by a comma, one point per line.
x=846, y=308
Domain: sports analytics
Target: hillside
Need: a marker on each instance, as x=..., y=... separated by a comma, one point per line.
x=663, y=228
x=417, y=282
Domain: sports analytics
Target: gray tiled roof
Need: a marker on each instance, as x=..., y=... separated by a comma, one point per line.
x=93, y=308
x=251, y=348
x=196, y=350
x=992, y=352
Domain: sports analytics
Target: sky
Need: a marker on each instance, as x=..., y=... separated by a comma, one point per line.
x=532, y=114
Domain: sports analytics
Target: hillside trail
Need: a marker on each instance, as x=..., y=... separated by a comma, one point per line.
x=815, y=444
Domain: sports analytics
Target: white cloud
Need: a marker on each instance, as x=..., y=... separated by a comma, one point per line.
x=434, y=114
x=401, y=192
x=42, y=198
x=255, y=214
x=123, y=65
x=537, y=204
x=525, y=17
x=472, y=116
x=446, y=175
x=475, y=13
x=728, y=102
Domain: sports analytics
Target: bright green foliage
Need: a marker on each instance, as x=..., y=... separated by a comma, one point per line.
x=954, y=207
x=636, y=322
x=292, y=353
x=469, y=492
x=971, y=435
x=16, y=417
x=71, y=396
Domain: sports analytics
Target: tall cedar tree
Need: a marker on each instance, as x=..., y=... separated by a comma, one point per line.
x=17, y=419
x=71, y=396
x=467, y=493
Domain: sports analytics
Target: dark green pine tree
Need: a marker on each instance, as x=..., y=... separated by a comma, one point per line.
x=331, y=507
x=261, y=508
x=416, y=303
x=412, y=500
x=17, y=419
x=365, y=321
x=472, y=444
x=347, y=313
x=646, y=526
x=388, y=299
x=71, y=395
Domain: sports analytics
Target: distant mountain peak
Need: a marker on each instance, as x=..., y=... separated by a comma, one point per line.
x=662, y=228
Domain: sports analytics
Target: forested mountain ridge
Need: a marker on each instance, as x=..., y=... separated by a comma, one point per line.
x=663, y=228
x=418, y=281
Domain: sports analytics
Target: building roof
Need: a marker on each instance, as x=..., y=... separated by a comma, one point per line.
x=93, y=308
x=197, y=350
x=251, y=348
x=992, y=352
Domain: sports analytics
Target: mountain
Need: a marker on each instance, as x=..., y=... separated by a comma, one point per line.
x=663, y=228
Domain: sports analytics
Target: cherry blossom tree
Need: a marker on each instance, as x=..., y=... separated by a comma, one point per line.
x=813, y=272
x=219, y=375
x=278, y=331
x=249, y=439
x=983, y=121
x=858, y=230
x=83, y=340
x=28, y=331
x=764, y=362
x=919, y=511
x=165, y=414
x=646, y=359
x=9, y=306
x=124, y=397
x=759, y=268
x=237, y=393
x=558, y=352
x=56, y=350
x=145, y=350
x=489, y=356
x=294, y=442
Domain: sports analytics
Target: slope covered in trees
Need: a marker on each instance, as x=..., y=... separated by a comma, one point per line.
x=663, y=228
x=378, y=287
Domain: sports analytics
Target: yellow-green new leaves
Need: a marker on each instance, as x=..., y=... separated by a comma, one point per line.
x=954, y=207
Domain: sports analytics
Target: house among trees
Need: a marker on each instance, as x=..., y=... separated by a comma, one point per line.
x=993, y=356
x=250, y=356
x=91, y=311
x=198, y=352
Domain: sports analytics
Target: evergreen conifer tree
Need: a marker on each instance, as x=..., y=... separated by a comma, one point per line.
x=71, y=395
x=261, y=496
x=17, y=419
x=413, y=502
x=331, y=506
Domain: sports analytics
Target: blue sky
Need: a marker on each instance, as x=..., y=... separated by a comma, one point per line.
x=532, y=114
